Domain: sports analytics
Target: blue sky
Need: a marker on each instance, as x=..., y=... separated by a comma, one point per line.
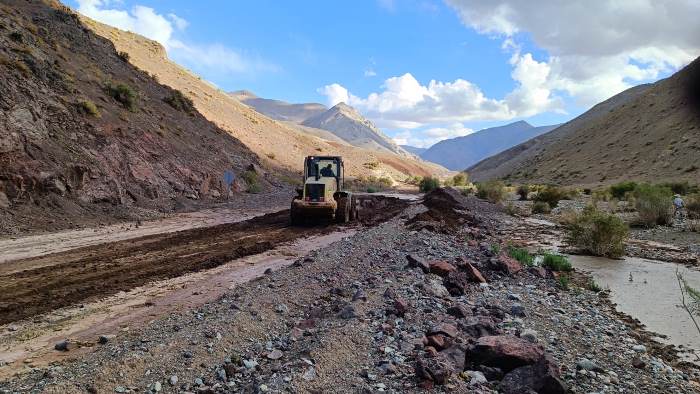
x=492, y=61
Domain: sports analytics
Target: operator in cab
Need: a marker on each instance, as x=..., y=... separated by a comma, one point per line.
x=327, y=171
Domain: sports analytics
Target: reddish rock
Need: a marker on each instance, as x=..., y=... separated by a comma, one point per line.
x=441, y=268
x=456, y=283
x=307, y=324
x=508, y=265
x=638, y=363
x=472, y=243
x=435, y=370
x=540, y=272
x=431, y=351
x=400, y=307
x=445, y=329
x=473, y=273
x=415, y=261
x=438, y=341
x=455, y=356
x=505, y=352
x=459, y=310
x=541, y=377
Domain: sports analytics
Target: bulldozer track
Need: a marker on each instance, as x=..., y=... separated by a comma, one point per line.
x=88, y=273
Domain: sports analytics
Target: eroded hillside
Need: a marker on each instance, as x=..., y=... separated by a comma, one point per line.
x=649, y=132
x=84, y=134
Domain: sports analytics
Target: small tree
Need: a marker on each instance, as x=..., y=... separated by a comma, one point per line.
x=460, y=179
x=654, y=204
x=428, y=184
x=597, y=233
x=493, y=191
x=523, y=191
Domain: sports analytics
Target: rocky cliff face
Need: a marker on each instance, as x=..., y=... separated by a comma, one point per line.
x=82, y=132
x=345, y=122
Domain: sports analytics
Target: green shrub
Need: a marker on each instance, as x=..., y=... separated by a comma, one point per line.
x=523, y=191
x=428, y=184
x=563, y=281
x=593, y=286
x=682, y=188
x=556, y=262
x=251, y=179
x=620, y=190
x=692, y=205
x=123, y=94
x=89, y=108
x=460, y=179
x=541, y=207
x=414, y=180
x=522, y=255
x=493, y=191
x=180, y=102
x=654, y=204
x=371, y=189
x=124, y=56
x=551, y=195
x=597, y=233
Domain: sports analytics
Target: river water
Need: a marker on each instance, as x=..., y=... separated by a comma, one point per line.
x=647, y=290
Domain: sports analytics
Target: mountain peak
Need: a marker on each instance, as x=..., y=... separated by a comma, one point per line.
x=243, y=94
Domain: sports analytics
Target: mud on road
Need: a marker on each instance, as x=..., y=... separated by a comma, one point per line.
x=33, y=286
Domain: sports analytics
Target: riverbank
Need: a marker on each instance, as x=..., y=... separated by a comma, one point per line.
x=421, y=301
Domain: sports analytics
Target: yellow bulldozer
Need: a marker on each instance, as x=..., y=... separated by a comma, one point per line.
x=322, y=195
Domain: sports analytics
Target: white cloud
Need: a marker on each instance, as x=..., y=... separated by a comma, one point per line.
x=213, y=57
x=597, y=48
x=406, y=103
x=370, y=73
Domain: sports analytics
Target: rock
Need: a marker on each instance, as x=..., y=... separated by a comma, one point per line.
x=445, y=329
x=441, y=268
x=539, y=272
x=506, y=264
x=348, y=312
x=436, y=370
x=173, y=380
x=400, y=307
x=415, y=261
x=198, y=382
x=505, y=352
x=63, y=346
x=455, y=356
x=438, y=341
x=479, y=326
x=638, y=363
x=517, y=310
x=275, y=354
x=459, y=310
x=456, y=283
x=310, y=374
x=250, y=364
x=588, y=365
x=436, y=289
x=156, y=387
x=120, y=389
x=475, y=378
x=103, y=339
x=359, y=295
x=542, y=377
x=529, y=335
x=473, y=274
x=639, y=348
x=281, y=308
x=187, y=354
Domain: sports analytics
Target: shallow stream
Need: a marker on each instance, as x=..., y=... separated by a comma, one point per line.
x=647, y=290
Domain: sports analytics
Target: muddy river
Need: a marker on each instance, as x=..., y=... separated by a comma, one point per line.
x=647, y=290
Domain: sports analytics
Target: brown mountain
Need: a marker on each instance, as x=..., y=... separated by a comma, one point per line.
x=83, y=133
x=646, y=133
x=278, y=143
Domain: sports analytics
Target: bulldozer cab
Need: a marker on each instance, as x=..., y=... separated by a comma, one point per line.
x=316, y=168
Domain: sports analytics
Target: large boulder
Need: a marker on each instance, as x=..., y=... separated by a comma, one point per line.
x=479, y=326
x=541, y=377
x=418, y=262
x=473, y=273
x=505, y=352
x=505, y=264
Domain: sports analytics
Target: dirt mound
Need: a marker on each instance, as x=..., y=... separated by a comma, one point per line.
x=83, y=133
x=448, y=211
x=646, y=133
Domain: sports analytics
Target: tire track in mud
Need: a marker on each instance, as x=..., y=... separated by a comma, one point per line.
x=88, y=273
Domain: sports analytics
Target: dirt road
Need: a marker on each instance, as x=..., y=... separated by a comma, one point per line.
x=36, y=285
